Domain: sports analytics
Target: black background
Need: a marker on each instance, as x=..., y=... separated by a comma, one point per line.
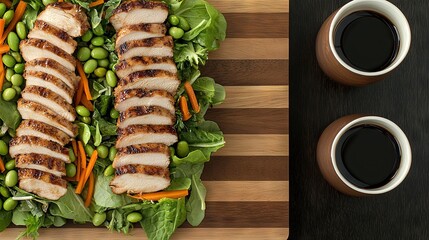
x=317, y=211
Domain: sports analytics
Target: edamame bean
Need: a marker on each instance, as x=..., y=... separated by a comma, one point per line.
x=97, y=41
x=4, y=192
x=103, y=151
x=8, y=15
x=9, y=74
x=17, y=80
x=2, y=9
x=18, y=91
x=134, y=217
x=83, y=111
x=109, y=171
x=19, y=68
x=8, y=60
x=6, y=85
x=182, y=149
x=99, y=219
x=86, y=120
x=114, y=113
x=83, y=54
x=21, y=30
x=100, y=72
x=10, y=165
x=173, y=20
x=70, y=170
x=89, y=149
x=103, y=63
x=13, y=41
x=17, y=56
x=11, y=178
x=112, y=153
x=87, y=36
x=172, y=151
x=111, y=78
x=176, y=32
x=91, y=46
x=47, y=2
x=99, y=53
x=183, y=24
x=10, y=204
x=90, y=66
x=98, y=31
x=72, y=157
x=9, y=94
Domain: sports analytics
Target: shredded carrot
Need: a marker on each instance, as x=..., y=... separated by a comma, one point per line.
x=2, y=168
x=87, y=172
x=159, y=195
x=2, y=24
x=84, y=80
x=90, y=192
x=60, y=0
x=96, y=3
x=186, y=115
x=192, y=97
x=78, y=168
x=82, y=155
x=74, y=147
x=4, y=49
x=79, y=93
x=85, y=102
x=19, y=12
x=7, y=3
x=80, y=185
x=2, y=74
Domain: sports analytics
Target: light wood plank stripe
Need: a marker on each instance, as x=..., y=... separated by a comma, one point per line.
x=251, y=6
x=255, y=145
x=252, y=48
x=138, y=233
x=236, y=191
x=256, y=97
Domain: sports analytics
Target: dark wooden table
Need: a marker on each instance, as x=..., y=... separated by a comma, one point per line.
x=317, y=211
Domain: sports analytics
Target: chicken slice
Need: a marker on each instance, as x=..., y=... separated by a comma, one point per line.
x=138, y=11
x=41, y=183
x=138, y=97
x=128, y=66
x=140, y=31
x=145, y=115
x=43, y=30
x=41, y=162
x=30, y=144
x=141, y=134
x=38, y=112
x=41, y=79
x=139, y=179
x=68, y=17
x=51, y=100
x=150, y=154
x=150, y=80
x=55, y=69
x=150, y=47
x=42, y=130
x=37, y=48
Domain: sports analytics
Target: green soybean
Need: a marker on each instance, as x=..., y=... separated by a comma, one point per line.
x=8, y=60
x=19, y=68
x=109, y=171
x=97, y=41
x=99, y=31
x=86, y=120
x=13, y=41
x=89, y=149
x=91, y=46
x=111, y=78
x=172, y=151
x=99, y=219
x=182, y=149
x=103, y=151
x=10, y=204
x=4, y=192
x=83, y=111
x=9, y=94
x=83, y=54
x=17, y=80
x=16, y=56
x=10, y=165
x=134, y=217
x=47, y=2
x=72, y=157
x=103, y=63
x=183, y=24
x=6, y=85
x=21, y=30
x=18, y=91
x=11, y=178
x=87, y=36
x=9, y=73
x=2, y=9
x=173, y=20
x=99, y=53
x=8, y=15
x=112, y=153
x=100, y=72
x=90, y=66
x=176, y=32
x=70, y=170
x=114, y=113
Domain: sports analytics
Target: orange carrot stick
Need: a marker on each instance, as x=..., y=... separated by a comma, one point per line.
x=159, y=195
x=2, y=74
x=2, y=24
x=79, y=93
x=7, y=3
x=192, y=98
x=90, y=193
x=82, y=155
x=2, y=168
x=186, y=115
x=4, y=49
x=85, y=102
x=19, y=12
x=78, y=168
x=96, y=3
x=84, y=79
x=74, y=147
x=88, y=171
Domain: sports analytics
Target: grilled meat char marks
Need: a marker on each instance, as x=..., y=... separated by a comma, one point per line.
x=46, y=101
x=150, y=47
x=137, y=97
x=151, y=154
x=139, y=31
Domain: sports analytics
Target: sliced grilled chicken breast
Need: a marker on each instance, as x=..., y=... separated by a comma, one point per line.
x=140, y=31
x=41, y=79
x=38, y=112
x=145, y=115
x=51, y=100
x=128, y=66
x=42, y=130
x=41, y=162
x=43, y=30
x=55, y=69
x=150, y=80
x=138, y=11
x=140, y=178
x=43, y=184
x=37, y=48
x=141, y=134
x=150, y=47
x=150, y=154
x=30, y=144
x=68, y=17
x=141, y=97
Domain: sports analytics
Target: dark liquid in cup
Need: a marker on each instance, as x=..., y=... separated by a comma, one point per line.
x=366, y=41
x=368, y=156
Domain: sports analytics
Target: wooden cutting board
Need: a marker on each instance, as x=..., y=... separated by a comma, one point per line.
x=248, y=180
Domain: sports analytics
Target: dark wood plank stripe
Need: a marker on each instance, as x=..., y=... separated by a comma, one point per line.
x=252, y=121
x=257, y=25
x=248, y=72
x=245, y=214
x=252, y=168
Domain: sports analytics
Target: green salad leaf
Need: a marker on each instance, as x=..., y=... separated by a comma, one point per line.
x=104, y=197
x=6, y=219
x=84, y=132
x=71, y=206
x=9, y=114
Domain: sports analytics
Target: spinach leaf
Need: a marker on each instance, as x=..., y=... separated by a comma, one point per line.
x=104, y=197
x=196, y=205
x=84, y=132
x=81, y=3
x=71, y=206
x=94, y=17
x=97, y=137
x=9, y=114
x=103, y=104
x=106, y=128
x=180, y=183
x=6, y=219
x=111, y=5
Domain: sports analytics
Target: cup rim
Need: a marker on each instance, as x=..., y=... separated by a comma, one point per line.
x=404, y=145
x=398, y=59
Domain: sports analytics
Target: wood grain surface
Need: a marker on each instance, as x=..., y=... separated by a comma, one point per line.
x=248, y=180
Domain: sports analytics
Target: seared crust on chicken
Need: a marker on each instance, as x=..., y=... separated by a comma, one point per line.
x=31, y=144
x=138, y=97
x=42, y=130
x=150, y=80
x=140, y=31
x=150, y=47
x=141, y=134
x=152, y=154
x=43, y=184
x=125, y=67
x=41, y=162
x=146, y=115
